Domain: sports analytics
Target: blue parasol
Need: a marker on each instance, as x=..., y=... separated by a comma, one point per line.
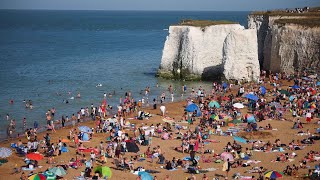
x=252, y=97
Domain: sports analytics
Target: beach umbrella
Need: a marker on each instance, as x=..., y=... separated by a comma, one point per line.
x=50, y=175
x=37, y=177
x=284, y=92
x=105, y=171
x=5, y=152
x=295, y=87
x=214, y=104
x=240, y=139
x=85, y=129
x=273, y=175
x=191, y=108
x=252, y=97
x=226, y=155
x=58, y=171
x=34, y=156
x=145, y=175
x=263, y=90
x=238, y=105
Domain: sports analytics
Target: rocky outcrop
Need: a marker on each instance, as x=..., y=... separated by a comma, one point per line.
x=197, y=52
x=293, y=48
x=285, y=47
x=241, y=56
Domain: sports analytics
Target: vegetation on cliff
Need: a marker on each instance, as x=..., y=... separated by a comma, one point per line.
x=312, y=12
x=309, y=17
x=308, y=22
x=203, y=23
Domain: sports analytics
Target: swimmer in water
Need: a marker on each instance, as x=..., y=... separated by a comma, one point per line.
x=99, y=85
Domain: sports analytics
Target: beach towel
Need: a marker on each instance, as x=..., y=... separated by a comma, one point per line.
x=84, y=141
x=188, y=158
x=27, y=169
x=172, y=169
x=168, y=120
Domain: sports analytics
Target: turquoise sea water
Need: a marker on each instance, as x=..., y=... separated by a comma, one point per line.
x=46, y=54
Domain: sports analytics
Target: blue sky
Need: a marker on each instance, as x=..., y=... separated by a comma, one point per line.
x=197, y=5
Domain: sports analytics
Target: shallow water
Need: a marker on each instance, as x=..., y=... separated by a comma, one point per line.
x=46, y=54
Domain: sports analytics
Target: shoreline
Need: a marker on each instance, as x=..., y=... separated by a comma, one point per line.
x=175, y=110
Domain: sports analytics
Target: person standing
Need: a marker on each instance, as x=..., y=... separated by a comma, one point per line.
x=63, y=121
x=226, y=167
x=308, y=116
x=24, y=123
x=60, y=147
x=163, y=110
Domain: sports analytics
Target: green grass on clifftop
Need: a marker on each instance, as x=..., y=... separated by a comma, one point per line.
x=307, y=22
x=315, y=12
x=203, y=23
x=310, y=18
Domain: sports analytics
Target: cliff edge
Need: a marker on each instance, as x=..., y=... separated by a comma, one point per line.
x=288, y=41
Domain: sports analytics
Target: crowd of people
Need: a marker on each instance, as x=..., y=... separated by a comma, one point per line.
x=215, y=110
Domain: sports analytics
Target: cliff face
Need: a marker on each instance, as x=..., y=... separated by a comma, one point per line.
x=294, y=48
x=241, y=56
x=197, y=53
x=285, y=47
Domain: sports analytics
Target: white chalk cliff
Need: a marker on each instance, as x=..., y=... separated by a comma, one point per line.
x=194, y=52
x=241, y=56
x=286, y=47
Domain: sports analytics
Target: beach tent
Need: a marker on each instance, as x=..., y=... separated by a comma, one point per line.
x=224, y=85
x=85, y=137
x=132, y=146
x=263, y=90
x=85, y=129
x=145, y=175
x=105, y=171
x=295, y=87
x=252, y=97
x=192, y=107
x=214, y=104
x=59, y=171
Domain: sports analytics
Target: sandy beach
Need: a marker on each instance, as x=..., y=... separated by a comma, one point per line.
x=282, y=129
